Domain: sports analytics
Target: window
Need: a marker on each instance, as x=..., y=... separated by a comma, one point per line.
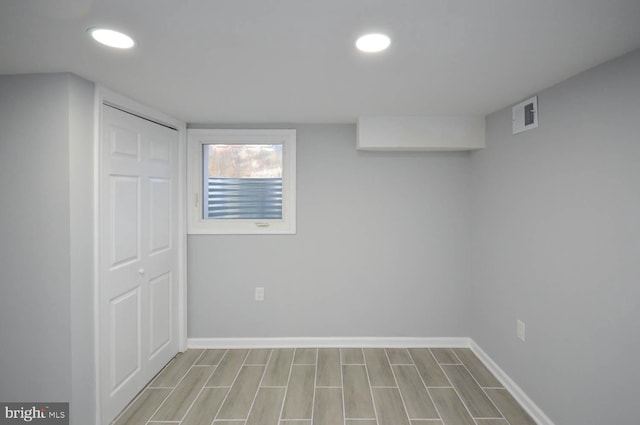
x=242, y=181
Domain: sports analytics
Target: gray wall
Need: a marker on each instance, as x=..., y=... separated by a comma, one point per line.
x=381, y=250
x=46, y=317
x=34, y=260
x=83, y=387
x=556, y=243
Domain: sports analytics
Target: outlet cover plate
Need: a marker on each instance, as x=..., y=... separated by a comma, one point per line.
x=259, y=293
x=520, y=330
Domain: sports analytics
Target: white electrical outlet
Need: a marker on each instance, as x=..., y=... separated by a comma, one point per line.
x=520, y=330
x=259, y=293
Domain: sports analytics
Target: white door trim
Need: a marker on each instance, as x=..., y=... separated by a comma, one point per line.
x=102, y=96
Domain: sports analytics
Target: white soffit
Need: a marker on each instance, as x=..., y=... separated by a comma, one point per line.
x=421, y=133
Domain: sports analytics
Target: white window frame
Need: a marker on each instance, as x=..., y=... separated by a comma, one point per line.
x=196, y=138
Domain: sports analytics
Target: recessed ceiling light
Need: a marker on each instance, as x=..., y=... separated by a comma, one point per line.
x=111, y=38
x=372, y=43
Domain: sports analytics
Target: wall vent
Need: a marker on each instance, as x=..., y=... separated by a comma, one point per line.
x=525, y=115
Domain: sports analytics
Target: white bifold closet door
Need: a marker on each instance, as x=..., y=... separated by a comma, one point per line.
x=138, y=264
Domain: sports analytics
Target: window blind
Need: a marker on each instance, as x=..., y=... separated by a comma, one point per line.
x=244, y=198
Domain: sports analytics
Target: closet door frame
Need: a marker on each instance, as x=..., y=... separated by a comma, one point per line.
x=106, y=96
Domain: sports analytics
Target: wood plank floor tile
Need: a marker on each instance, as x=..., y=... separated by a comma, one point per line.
x=325, y=386
x=258, y=357
x=509, y=407
x=473, y=396
x=266, y=409
x=242, y=393
x=211, y=357
x=357, y=395
x=299, y=401
x=226, y=372
x=414, y=393
x=277, y=373
x=141, y=410
x=399, y=356
x=176, y=369
x=479, y=371
x=327, y=406
x=450, y=406
x=351, y=356
x=176, y=405
x=204, y=409
x=428, y=368
x=445, y=356
x=305, y=356
x=389, y=407
x=329, y=374
x=380, y=374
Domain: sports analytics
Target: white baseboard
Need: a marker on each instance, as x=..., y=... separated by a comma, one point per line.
x=390, y=342
x=514, y=389
x=383, y=342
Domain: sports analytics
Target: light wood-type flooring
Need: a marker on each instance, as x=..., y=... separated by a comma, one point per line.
x=325, y=386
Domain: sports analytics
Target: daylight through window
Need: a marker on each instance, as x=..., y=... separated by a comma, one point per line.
x=243, y=181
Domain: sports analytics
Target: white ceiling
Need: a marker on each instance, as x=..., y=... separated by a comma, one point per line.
x=225, y=61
